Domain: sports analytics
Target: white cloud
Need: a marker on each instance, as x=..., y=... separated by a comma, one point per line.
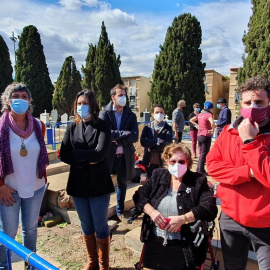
x=67, y=27
x=77, y=4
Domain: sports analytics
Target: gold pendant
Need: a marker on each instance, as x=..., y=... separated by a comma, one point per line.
x=23, y=151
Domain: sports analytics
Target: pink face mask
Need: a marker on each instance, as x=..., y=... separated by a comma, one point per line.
x=255, y=114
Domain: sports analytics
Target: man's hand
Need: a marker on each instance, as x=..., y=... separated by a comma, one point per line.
x=248, y=131
x=176, y=135
x=6, y=195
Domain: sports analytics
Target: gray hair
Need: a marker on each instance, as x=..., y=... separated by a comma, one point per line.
x=181, y=103
x=10, y=89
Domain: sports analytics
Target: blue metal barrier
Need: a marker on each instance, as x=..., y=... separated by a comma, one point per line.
x=49, y=134
x=57, y=139
x=31, y=257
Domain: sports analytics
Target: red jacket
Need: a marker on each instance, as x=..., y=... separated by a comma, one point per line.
x=243, y=198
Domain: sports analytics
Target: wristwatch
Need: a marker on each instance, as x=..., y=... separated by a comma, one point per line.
x=186, y=220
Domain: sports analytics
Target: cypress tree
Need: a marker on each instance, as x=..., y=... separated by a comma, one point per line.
x=67, y=86
x=5, y=66
x=178, y=70
x=89, y=69
x=257, y=43
x=103, y=63
x=31, y=69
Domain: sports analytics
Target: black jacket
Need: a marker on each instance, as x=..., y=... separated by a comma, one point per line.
x=128, y=123
x=149, y=141
x=194, y=194
x=78, y=150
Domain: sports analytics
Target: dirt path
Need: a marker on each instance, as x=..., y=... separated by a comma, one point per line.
x=66, y=247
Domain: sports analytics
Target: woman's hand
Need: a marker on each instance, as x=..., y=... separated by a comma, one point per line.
x=157, y=217
x=175, y=223
x=6, y=195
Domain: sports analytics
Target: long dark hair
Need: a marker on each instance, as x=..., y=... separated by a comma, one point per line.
x=91, y=96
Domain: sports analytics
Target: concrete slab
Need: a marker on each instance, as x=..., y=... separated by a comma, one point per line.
x=56, y=167
x=71, y=216
x=52, y=154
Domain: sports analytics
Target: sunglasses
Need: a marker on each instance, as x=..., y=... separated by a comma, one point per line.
x=172, y=162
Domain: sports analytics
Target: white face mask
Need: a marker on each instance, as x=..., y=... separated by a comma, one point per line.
x=159, y=117
x=177, y=170
x=122, y=101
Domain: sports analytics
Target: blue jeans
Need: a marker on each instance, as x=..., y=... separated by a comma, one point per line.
x=93, y=212
x=119, y=165
x=9, y=221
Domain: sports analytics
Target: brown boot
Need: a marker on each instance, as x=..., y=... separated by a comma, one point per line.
x=103, y=253
x=91, y=247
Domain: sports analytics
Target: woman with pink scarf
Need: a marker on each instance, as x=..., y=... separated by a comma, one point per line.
x=23, y=161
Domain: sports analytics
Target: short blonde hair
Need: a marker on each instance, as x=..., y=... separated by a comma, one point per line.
x=173, y=148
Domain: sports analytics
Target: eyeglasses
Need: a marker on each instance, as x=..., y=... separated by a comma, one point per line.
x=181, y=161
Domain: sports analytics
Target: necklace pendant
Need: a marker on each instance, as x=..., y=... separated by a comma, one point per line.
x=23, y=151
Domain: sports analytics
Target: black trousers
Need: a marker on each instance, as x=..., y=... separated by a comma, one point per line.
x=205, y=144
x=236, y=240
x=180, y=134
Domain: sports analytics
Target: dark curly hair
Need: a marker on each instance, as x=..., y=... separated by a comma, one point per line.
x=255, y=83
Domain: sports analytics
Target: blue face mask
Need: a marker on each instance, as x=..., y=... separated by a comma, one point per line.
x=198, y=109
x=84, y=111
x=218, y=106
x=19, y=106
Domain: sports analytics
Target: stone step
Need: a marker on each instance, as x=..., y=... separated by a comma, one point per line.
x=132, y=241
x=58, y=182
x=52, y=155
x=57, y=167
x=71, y=216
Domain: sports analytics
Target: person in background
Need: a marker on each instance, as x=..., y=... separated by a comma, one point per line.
x=124, y=132
x=225, y=115
x=239, y=161
x=172, y=200
x=23, y=165
x=155, y=136
x=178, y=120
x=85, y=148
x=193, y=130
x=206, y=127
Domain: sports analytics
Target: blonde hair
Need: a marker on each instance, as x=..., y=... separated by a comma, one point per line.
x=169, y=150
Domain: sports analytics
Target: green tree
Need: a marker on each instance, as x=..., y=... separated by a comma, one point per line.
x=101, y=71
x=31, y=69
x=256, y=60
x=67, y=86
x=179, y=71
x=5, y=66
x=89, y=69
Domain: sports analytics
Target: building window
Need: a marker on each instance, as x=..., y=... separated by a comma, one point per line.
x=132, y=91
x=132, y=99
x=133, y=83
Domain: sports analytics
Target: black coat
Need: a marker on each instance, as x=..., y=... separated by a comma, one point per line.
x=149, y=141
x=128, y=123
x=194, y=195
x=78, y=150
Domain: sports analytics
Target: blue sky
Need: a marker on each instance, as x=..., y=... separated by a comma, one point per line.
x=136, y=28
